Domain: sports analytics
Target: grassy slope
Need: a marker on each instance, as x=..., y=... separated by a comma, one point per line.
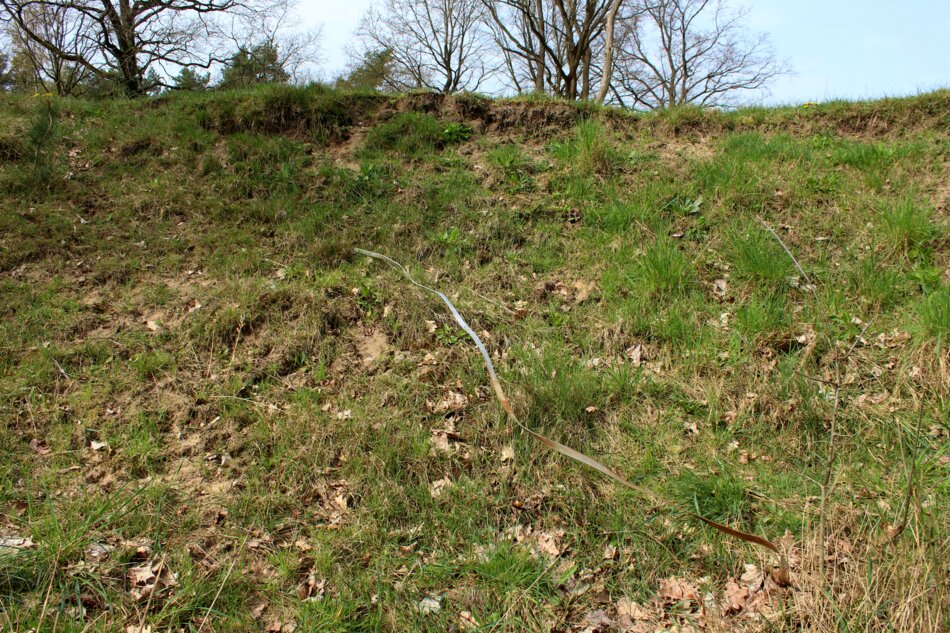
x=178, y=284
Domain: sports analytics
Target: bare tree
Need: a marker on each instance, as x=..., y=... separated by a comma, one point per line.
x=436, y=44
x=48, y=68
x=551, y=43
x=5, y=78
x=259, y=34
x=677, y=52
x=132, y=37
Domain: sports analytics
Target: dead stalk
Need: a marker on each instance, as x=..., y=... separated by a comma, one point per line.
x=561, y=448
x=215, y=599
x=827, y=479
x=911, y=475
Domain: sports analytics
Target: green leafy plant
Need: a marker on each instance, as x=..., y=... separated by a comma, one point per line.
x=41, y=136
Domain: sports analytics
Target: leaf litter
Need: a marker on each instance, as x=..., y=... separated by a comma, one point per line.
x=577, y=456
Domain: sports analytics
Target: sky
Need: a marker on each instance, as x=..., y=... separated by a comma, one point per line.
x=847, y=49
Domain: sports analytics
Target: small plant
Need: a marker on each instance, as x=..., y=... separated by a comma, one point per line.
x=41, y=139
x=665, y=270
x=908, y=226
x=515, y=167
x=758, y=257
x=151, y=364
x=934, y=314
x=415, y=134
x=455, y=133
x=590, y=151
x=594, y=152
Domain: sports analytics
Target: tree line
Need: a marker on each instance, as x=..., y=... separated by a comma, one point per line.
x=140, y=47
x=644, y=54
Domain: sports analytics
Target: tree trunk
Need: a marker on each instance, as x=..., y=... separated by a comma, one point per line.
x=608, y=52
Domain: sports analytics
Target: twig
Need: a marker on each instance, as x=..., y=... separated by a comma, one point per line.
x=557, y=446
x=522, y=595
x=807, y=377
x=905, y=508
x=273, y=407
x=215, y=599
x=60, y=368
x=811, y=286
x=151, y=594
x=832, y=454
x=49, y=589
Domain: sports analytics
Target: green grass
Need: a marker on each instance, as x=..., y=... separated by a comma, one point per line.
x=197, y=372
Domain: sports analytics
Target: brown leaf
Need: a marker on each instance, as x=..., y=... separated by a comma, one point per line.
x=453, y=401
x=583, y=290
x=467, y=621
x=753, y=578
x=311, y=588
x=548, y=542
x=635, y=355
x=257, y=608
x=736, y=596
x=677, y=589
x=596, y=620
x=40, y=447
x=16, y=542
x=436, y=488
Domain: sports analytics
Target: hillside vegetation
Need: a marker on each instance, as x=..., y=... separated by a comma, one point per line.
x=217, y=417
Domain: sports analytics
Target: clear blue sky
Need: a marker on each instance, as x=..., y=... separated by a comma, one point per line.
x=837, y=48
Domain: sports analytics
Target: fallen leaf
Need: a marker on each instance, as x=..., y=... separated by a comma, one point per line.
x=720, y=287
x=736, y=596
x=548, y=542
x=508, y=454
x=436, y=488
x=428, y=605
x=148, y=577
x=96, y=445
x=16, y=542
x=453, y=401
x=467, y=621
x=440, y=441
x=98, y=552
x=311, y=588
x=152, y=325
x=632, y=610
x=40, y=447
x=676, y=589
x=583, y=290
x=257, y=608
x=596, y=620
x=753, y=578
x=635, y=354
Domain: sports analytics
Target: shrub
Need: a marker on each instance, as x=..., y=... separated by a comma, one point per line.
x=415, y=134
